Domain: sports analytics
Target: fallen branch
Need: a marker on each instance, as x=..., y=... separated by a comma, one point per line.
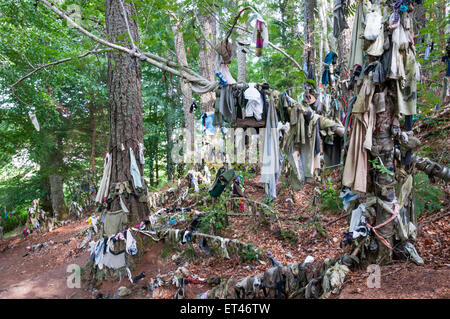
x=422, y=224
x=337, y=219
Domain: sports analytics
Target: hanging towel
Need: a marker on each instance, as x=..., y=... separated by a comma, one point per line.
x=271, y=165
x=339, y=23
x=134, y=171
x=104, y=184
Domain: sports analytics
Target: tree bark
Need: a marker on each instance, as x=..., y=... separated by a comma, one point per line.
x=57, y=195
x=185, y=85
x=125, y=103
x=309, y=49
x=93, y=129
x=343, y=50
x=206, y=57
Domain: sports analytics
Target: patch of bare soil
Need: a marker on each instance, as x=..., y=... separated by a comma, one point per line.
x=305, y=232
x=41, y=273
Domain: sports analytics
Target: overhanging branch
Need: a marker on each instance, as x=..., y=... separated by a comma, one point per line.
x=55, y=63
x=203, y=85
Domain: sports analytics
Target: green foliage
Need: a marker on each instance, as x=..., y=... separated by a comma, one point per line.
x=329, y=198
x=380, y=167
x=19, y=218
x=427, y=196
x=289, y=235
x=249, y=253
x=215, y=220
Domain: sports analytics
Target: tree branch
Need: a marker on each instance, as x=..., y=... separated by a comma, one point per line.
x=151, y=58
x=55, y=63
x=127, y=25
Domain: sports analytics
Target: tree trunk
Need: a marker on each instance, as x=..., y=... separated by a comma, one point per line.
x=125, y=103
x=169, y=136
x=57, y=195
x=185, y=85
x=309, y=50
x=343, y=49
x=93, y=129
x=206, y=57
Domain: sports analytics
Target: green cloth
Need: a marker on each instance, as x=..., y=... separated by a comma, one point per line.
x=223, y=178
x=114, y=223
x=356, y=47
x=407, y=96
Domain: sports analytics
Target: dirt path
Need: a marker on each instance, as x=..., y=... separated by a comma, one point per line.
x=43, y=273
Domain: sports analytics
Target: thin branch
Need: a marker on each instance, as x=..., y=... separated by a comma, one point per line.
x=127, y=25
x=276, y=48
x=52, y=64
x=269, y=43
x=236, y=20
x=151, y=58
x=203, y=33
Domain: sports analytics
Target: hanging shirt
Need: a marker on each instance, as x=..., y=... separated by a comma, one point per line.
x=255, y=103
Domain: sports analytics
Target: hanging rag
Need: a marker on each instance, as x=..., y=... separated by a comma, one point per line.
x=224, y=70
x=130, y=247
x=356, y=47
x=141, y=153
x=355, y=168
x=271, y=163
x=225, y=50
x=134, y=171
x=255, y=102
x=407, y=95
x=104, y=184
x=330, y=58
x=339, y=23
x=34, y=121
x=227, y=104
x=373, y=24
x=260, y=35
x=377, y=47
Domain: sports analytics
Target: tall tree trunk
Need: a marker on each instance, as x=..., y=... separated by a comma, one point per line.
x=206, y=57
x=125, y=102
x=57, y=195
x=343, y=52
x=93, y=129
x=169, y=136
x=56, y=182
x=185, y=85
x=309, y=50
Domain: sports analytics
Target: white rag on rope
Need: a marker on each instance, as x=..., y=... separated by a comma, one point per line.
x=104, y=185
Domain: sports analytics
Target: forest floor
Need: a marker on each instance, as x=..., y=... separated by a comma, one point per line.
x=306, y=232
x=43, y=273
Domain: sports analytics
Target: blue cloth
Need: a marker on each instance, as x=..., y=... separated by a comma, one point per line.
x=207, y=123
x=329, y=59
x=427, y=52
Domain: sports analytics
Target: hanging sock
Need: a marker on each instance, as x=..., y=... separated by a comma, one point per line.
x=260, y=35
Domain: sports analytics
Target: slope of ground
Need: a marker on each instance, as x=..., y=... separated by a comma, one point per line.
x=306, y=231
